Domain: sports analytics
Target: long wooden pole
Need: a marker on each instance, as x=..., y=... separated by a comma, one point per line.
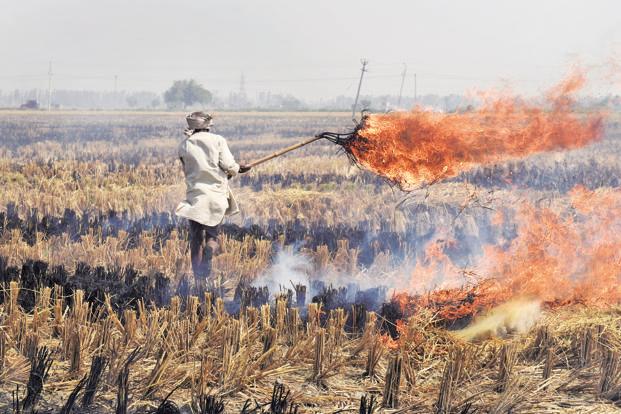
x=283, y=151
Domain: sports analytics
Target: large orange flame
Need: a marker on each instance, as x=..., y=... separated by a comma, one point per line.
x=568, y=256
x=565, y=256
x=420, y=147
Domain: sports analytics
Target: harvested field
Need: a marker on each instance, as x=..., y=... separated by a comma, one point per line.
x=335, y=292
x=565, y=363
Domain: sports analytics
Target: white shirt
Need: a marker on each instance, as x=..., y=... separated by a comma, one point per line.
x=207, y=161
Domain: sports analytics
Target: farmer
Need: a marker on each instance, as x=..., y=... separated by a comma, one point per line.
x=208, y=165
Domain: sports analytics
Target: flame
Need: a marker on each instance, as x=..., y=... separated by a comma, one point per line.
x=420, y=147
x=559, y=257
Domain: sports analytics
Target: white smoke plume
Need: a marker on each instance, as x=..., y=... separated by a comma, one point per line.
x=516, y=316
x=288, y=268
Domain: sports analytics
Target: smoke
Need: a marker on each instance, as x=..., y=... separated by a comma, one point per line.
x=566, y=252
x=288, y=268
x=291, y=267
x=563, y=255
x=516, y=316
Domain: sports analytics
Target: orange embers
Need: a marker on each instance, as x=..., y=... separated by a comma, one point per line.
x=421, y=147
x=451, y=304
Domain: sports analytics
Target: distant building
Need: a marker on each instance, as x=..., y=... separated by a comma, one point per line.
x=30, y=104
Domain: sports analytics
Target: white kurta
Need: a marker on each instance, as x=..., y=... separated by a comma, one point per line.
x=206, y=162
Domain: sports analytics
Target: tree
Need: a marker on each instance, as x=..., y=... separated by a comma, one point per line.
x=186, y=92
x=291, y=103
x=132, y=101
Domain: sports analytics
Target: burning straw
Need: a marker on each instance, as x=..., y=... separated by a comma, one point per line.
x=411, y=149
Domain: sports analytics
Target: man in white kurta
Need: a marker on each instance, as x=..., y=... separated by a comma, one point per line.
x=208, y=165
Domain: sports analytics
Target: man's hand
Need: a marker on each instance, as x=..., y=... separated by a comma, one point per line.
x=244, y=168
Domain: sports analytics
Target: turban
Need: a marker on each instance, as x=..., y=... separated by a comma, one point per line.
x=198, y=120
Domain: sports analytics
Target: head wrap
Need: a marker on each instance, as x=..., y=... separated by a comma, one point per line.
x=198, y=120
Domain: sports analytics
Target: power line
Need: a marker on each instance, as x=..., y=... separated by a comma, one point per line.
x=23, y=76
x=267, y=82
x=218, y=80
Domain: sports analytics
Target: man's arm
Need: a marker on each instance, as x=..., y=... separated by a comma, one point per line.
x=227, y=162
x=180, y=154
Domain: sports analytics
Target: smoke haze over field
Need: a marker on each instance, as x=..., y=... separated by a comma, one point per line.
x=310, y=50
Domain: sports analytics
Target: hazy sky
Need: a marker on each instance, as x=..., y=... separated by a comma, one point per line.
x=309, y=48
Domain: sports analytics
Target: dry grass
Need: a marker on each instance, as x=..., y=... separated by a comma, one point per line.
x=95, y=162
x=151, y=352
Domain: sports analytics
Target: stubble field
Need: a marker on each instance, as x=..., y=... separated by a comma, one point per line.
x=367, y=286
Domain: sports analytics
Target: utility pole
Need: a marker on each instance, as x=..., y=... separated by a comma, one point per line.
x=49, y=87
x=242, y=85
x=403, y=74
x=415, y=91
x=242, y=99
x=115, y=98
x=364, y=62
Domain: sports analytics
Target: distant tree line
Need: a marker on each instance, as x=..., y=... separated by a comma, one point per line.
x=81, y=99
x=187, y=93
